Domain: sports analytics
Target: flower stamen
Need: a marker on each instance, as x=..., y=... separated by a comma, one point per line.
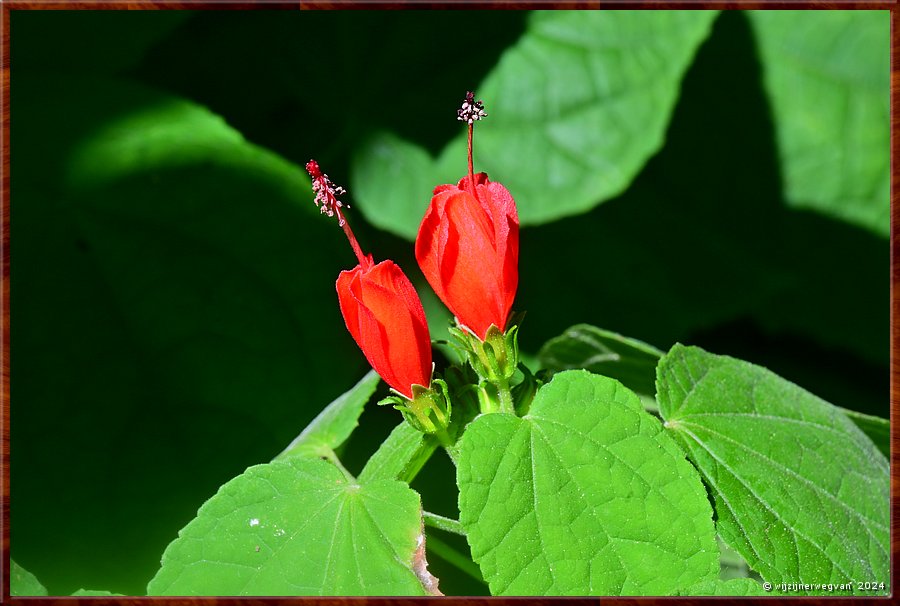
x=470, y=112
x=327, y=200
x=326, y=192
x=471, y=109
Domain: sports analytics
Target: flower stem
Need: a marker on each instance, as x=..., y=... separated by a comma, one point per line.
x=443, y=437
x=506, y=401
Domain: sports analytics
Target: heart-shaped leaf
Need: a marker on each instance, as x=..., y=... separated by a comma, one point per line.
x=585, y=495
x=297, y=527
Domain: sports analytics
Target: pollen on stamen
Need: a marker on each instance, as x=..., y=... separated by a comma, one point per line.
x=471, y=109
x=326, y=192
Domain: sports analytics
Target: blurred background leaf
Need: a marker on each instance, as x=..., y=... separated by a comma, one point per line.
x=575, y=108
x=176, y=320
x=171, y=320
x=23, y=583
x=828, y=81
x=703, y=249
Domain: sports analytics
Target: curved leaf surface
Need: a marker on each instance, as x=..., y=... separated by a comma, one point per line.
x=585, y=495
x=800, y=492
x=297, y=527
x=604, y=352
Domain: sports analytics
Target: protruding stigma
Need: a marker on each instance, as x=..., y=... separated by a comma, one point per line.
x=471, y=109
x=327, y=200
x=326, y=192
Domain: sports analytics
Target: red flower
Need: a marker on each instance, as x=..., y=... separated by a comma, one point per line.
x=383, y=313
x=380, y=306
x=468, y=249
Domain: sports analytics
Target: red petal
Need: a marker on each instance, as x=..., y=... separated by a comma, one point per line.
x=468, y=249
x=471, y=266
x=385, y=317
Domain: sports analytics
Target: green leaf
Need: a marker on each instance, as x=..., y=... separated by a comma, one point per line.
x=828, y=78
x=878, y=429
x=612, y=266
x=584, y=495
x=576, y=107
x=605, y=353
x=800, y=492
x=297, y=527
x=335, y=423
x=393, y=180
x=401, y=456
x=718, y=587
x=22, y=582
x=731, y=564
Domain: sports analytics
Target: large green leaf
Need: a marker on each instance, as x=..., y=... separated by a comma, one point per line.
x=828, y=77
x=799, y=491
x=175, y=295
x=713, y=195
x=297, y=527
x=606, y=353
x=335, y=423
x=576, y=108
x=634, y=363
x=584, y=495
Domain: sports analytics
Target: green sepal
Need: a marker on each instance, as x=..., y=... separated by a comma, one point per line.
x=428, y=410
x=495, y=359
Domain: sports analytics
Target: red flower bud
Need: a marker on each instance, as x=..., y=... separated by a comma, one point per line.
x=468, y=249
x=385, y=316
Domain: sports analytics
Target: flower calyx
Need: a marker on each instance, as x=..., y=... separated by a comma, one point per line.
x=428, y=410
x=496, y=357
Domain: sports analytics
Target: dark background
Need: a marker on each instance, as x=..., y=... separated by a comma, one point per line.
x=179, y=324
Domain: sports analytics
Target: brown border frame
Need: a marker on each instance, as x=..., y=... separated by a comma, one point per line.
x=8, y=5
